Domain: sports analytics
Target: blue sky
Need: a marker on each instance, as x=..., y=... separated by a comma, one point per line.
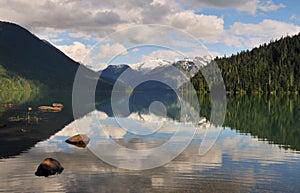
x=98, y=33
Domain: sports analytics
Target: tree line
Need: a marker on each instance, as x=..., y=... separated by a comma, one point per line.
x=270, y=68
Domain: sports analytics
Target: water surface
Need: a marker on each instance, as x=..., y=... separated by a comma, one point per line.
x=257, y=150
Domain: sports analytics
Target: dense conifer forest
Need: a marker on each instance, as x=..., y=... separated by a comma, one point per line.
x=269, y=68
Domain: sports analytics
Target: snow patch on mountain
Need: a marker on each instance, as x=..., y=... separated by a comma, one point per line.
x=149, y=65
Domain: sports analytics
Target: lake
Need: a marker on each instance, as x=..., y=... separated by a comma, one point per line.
x=257, y=149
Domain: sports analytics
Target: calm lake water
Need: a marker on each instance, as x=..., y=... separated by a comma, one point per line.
x=257, y=149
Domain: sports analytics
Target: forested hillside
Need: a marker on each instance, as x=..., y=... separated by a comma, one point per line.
x=13, y=82
x=270, y=68
x=33, y=59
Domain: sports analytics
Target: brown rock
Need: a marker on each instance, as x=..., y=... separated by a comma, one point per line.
x=8, y=105
x=49, y=167
x=49, y=109
x=57, y=105
x=80, y=140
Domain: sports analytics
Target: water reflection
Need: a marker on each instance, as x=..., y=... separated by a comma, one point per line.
x=235, y=163
x=273, y=119
x=247, y=157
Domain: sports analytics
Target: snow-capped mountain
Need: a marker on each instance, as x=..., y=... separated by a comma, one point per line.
x=172, y=73
x=192, y=66
x=188, y=65
x=149, y=65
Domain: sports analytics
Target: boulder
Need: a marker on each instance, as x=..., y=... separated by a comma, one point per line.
x=80, y=140
x=49, y=167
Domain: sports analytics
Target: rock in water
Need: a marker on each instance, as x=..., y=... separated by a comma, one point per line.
x=79, y=140
x=3, y=125
x=25, y=130
x=8, y=105
x=49, y=109
x=49, y=167
x=57, y=105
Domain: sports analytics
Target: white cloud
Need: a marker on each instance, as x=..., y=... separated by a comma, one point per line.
x=270, y=6
x=250, y=35
x=201, y=26
x=293, y=17
x=77, y=51
x=105, y=17
x=99, y=66
x=111, y=50
x=82, y=35
x=135, y=49
x=86, y=19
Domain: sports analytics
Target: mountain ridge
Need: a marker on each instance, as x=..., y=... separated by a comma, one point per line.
x=24, y=54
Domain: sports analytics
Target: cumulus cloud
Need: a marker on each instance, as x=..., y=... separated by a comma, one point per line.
x=111, y=50
x=81, y=18
x=104, y=17
x=77, y=51
x=250, y=35
x=198, y=25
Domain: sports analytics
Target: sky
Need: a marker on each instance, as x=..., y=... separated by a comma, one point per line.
x=102, y=32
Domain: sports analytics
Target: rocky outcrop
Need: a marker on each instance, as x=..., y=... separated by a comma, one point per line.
x=49, y=167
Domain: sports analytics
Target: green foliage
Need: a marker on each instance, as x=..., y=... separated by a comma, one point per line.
x=270, y=68
x=12, y=82
x=16, y=89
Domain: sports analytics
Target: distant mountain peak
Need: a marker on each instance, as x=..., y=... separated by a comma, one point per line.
x=149, y=65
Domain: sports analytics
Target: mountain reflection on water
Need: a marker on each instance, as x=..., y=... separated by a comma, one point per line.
x=235, y=163
x=257, y=150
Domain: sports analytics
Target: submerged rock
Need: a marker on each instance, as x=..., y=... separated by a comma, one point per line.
x=80, y=140
x=3, y=125
x=25, y=130
x=49, y=167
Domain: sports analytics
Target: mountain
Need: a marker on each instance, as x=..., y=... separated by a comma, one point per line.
x=25, y=55
x=187, y=65
x=149, y=65
x=192, y=66
x=270, y=68
x=155, y=74
x=112, y=72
